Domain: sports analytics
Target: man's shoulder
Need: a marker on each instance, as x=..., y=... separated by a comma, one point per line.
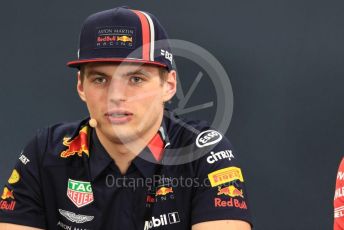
x=193, y=140
x=187, y=131
x=53, y=139
x=63, y=129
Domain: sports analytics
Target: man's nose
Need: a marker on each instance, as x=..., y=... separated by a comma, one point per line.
x=117, y=90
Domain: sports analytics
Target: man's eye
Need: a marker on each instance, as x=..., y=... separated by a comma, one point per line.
x=100, y=80
x=136, y=79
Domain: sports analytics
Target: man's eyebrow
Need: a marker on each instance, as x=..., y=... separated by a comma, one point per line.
x=94, y=72
x=137, y=72
x=129, y=73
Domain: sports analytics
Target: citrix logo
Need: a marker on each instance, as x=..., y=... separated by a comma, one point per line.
x=226, y=154
x=164, y=219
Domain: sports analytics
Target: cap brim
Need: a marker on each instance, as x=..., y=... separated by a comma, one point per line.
x=77, y=63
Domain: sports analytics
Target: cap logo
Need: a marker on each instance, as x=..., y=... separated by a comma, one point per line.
x=167, y=55
x=115, y=37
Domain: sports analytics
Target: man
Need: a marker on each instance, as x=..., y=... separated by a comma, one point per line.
x=126, y=166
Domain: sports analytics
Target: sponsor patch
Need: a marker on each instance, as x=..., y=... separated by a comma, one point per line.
x=162, y=220
x=80, y=192
x=77, y=145
x=167, y=55
x=150, y=199
x=115, y=37
x=69, y=227
x=75, y=218
x=23, y=158
x=159, y=194
x=225, y=175
x=7, y=201
x=230, y=190
x=214, y=157
x=7, y=205
x=231, y=202
x=163, y=191
x=64, y=226
x=229, y=194
x=7, y=194
x=208, y=137
x=14, y=178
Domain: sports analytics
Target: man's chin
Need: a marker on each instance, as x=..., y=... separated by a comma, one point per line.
x=123, y=139
x=122, y=136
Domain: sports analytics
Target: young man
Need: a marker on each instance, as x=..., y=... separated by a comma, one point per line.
x=128, y=166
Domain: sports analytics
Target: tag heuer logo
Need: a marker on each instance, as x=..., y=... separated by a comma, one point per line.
x=80, y=192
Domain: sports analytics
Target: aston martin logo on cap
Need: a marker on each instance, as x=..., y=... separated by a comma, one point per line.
x=116, y=37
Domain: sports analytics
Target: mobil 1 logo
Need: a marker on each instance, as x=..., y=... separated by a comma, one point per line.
x=162, y=220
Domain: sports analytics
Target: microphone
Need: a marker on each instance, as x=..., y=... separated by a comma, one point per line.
x=93, y=122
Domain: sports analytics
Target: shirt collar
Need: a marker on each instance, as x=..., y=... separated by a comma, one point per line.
x=147, y=162
x=99, y=158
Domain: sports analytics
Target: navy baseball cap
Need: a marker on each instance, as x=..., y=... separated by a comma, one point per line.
x=123, y=35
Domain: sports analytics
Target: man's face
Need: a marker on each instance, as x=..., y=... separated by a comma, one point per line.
x=126, y=99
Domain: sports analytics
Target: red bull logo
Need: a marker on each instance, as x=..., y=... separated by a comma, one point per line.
x=7, y=194
x=150, y=199
x=231, y=191
x=124, y=38
x=9, y=206
x=77, y=145
x=232, y=202
x=106, y=39
x=163, y=191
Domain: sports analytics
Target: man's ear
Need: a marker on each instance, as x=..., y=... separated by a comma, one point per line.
x=80, y=88
x=170, y=85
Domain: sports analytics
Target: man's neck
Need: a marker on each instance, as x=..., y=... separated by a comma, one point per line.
x=124, y=153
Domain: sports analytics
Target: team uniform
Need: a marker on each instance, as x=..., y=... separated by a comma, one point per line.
x=339, y=199
x=64, y=179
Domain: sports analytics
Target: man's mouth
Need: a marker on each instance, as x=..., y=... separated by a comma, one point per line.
x=118, y=117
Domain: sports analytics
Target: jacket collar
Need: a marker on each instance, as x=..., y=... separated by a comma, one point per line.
x=147, y=161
